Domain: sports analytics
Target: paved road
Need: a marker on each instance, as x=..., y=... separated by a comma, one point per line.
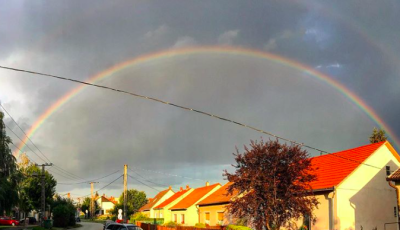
x=91, y=226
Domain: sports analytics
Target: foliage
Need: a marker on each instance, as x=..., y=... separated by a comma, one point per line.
x=104, y=217
x=171, y=224
x=303, y=227
x=200, y=225
x=31, y=189
x=114, y=218
x=377, y=136
x=135, y=201
x=86, y=205
x=237, y=227
x=274, y=182
x=139, y=216
x=64, y=212
x=9, y=175
x=242, y=221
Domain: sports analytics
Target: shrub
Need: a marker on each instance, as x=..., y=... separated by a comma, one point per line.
x=236, y=227
x=63, y=212
x=113, y=218
x=171, y=224
x=200, y=225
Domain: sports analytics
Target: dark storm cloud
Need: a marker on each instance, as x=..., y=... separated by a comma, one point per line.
x=98, y=130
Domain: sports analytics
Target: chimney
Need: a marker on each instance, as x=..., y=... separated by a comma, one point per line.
x=187, y=187
x=170, y=187
x=69, y=195
x=207, y=183
x=104, y=194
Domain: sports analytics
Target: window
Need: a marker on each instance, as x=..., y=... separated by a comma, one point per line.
x=387, y=170
x=207, y=218
x=161, y=215
x=182, y=218
x=175, y=218
x=220, y=218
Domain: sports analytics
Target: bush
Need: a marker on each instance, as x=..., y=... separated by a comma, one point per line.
x=200, y=225
x=236, y=227
x=64, y=212
x=104, y=217
x=171, y=224
x=113, y=218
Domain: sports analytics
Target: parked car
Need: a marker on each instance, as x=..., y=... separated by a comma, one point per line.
x=116, y=226
x=4, y=220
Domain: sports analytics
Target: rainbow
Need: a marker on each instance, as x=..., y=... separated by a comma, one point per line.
x=212, y=50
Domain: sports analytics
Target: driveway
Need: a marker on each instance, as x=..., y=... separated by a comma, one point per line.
x=91, y=226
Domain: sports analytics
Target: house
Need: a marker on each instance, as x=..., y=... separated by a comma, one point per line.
x=105, y=204
x=352, y=189
x=148, y=209
x=212, y=210
x=162, y=210
x=185, y=212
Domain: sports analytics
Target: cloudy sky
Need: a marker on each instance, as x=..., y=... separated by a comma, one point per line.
x=97, y=131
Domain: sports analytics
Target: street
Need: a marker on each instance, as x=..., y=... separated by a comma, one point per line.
x=91, y=226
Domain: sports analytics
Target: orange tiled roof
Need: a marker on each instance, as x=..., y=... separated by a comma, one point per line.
x=193, y=197
x=153, y=201
x=331, y=169
x=218, y=197
x=172, y=198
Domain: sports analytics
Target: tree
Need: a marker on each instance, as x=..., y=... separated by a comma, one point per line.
x=377, y=136
x=86, y=205
x=135, y=201
x=64, y=212
x=273, y=181
x=31, y=190
x=9, y=175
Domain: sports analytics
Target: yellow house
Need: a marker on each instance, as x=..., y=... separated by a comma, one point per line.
x=352, y=189
x=148, y=209
x=162, y=210
x=212, y=210
x=185, y=212
x=105, y=204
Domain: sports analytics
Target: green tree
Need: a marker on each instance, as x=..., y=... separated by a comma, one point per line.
x=136, y=200
x=378, y=135
x=9, y=175
x=86, y=205
x=274, y=182
x=64, y=212
x=30, y=188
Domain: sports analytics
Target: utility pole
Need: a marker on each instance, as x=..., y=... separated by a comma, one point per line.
x=92, y=200
x=43, y=199
x=125, y=189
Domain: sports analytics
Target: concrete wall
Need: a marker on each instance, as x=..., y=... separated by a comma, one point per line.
x=364, y=199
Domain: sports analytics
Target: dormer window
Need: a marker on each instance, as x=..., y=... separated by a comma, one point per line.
x=388, y=170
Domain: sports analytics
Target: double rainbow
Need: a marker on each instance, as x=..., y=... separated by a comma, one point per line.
x=170, y=53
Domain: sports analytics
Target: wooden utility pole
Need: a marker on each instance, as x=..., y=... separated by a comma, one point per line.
x=43, y=198
x=125, y=190
x=92, y=200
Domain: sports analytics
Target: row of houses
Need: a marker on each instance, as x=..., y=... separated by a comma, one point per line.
x=353, y=187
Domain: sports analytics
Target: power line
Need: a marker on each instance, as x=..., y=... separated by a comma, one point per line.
x=24, y=132
x=90, y=180
x=172, y=175
x=65, y=171
x=103, y=187
x=143, y=183
x=24, y=143
x=177, y=106
x=167, y=103
x=26, y=155
x=145, y=179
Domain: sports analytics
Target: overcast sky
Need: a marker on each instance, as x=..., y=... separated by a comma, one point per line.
x=353, y=41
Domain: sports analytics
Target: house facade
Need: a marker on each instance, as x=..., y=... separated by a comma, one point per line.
x=212, y=210
x=162, y=210
x=148, y=209
x=105, y=204
x=185, y=212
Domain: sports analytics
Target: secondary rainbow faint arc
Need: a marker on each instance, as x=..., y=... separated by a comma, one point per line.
x=211, y=50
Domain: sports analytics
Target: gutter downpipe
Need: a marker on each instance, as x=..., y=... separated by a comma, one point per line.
x=333, y=208
x=398, y=201
x=198, y=212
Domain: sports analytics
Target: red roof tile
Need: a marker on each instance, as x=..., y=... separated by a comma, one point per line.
x=172, y=198
x=193, y=197
x=331, y=169
x=153, y=201
x=219, y=196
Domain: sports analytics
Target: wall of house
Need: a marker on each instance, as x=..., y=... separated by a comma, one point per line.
x=214, y=210
x=364, y=198
x=166, y=196
x=106, y=206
